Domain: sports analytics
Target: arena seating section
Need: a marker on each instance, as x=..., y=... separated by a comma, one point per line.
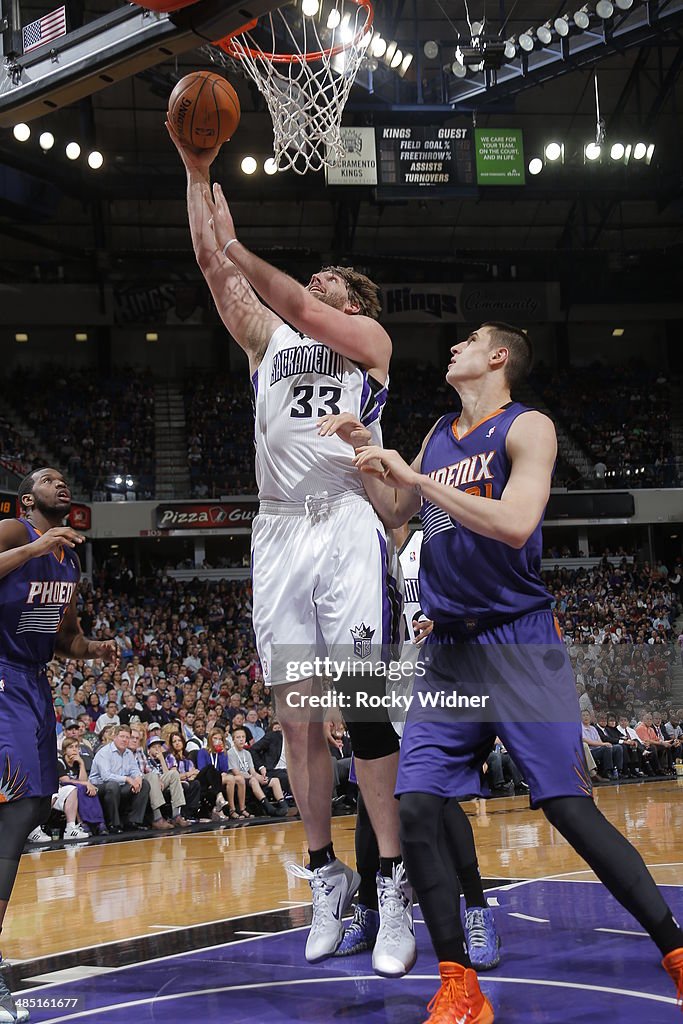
x=99, y=426
x=94, y=425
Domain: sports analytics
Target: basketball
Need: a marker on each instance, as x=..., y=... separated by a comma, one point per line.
x=204, y=109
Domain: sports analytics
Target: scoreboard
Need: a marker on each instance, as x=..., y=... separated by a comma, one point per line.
x=431, y=157
x=429, y=161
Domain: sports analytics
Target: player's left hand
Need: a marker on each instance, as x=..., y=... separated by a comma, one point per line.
x=394, y=472
x=422, y=629
x=107, y=650
x=346, y=426
x=194, y=160
x=223, y=224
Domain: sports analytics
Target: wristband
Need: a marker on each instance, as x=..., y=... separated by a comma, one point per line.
x=227, y=245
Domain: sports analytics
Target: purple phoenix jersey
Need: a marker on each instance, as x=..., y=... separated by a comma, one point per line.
x=494, y=634
x=33, y=599
x=467, y=579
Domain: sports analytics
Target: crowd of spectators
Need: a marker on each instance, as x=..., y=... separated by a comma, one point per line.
x=620, y=415
x=99, y=426
x=16, y=454
x=220, y=434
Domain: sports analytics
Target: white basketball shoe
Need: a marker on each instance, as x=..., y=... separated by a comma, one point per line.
x=333, y=887
x=395, y=950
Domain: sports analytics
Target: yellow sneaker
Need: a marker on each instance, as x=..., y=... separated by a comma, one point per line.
x=673, y=965
x=459, y=1000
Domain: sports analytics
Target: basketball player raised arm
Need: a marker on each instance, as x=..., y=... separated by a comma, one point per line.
x=531, y=448
x=358, y=337
x=247, y=319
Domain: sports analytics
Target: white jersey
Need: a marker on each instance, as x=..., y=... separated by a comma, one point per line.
x=409, y=557
x=298, y=381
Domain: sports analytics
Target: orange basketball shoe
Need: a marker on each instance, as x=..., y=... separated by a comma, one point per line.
x=459, y=1000
x=673, y=965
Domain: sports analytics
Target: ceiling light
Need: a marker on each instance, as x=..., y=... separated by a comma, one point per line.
x=73, y=151
x=582, y=18
x=604, y=9
x=477, y=27
x=510, y=48
x=391, y=50
x=151, y=336
x=95, y=160
x=405, y=64
x=378, y=47
x=617, y=332
x=617, y=151
x=431, y=49
x=553, y=151
x=248, y=165
x=310, y=8
x=535, y=165
x=650, y=152
x=624, y=5
x=639, y=151
x=21, y=337
x=545, y=33
x=396, y=59
x=333, y=18
x=561, y=26
x=592, y=151
x=345, y=31
x=21, y=132
x=526, y=40
x=458, y=69
x=270, y=166
x=81, y=336
x=46, y=141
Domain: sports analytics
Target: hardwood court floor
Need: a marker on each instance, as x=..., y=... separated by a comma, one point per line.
x=85, y=896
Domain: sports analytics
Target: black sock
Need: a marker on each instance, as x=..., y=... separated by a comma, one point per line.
x=472, y=889
x=319, y=858
x=387, y=865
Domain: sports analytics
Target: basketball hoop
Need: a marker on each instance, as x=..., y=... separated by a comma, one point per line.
x=304, y=66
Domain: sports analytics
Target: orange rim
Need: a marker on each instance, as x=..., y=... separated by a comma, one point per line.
x=228, y=42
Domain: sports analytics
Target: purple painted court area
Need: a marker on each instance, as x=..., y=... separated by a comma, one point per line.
x=557, y=968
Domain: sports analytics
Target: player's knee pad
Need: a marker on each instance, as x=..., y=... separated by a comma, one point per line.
x=419, y=815
x=372, y=740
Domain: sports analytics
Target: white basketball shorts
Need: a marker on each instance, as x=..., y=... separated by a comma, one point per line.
x=322, y=585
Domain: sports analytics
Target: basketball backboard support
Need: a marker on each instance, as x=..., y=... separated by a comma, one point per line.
x=109, y=49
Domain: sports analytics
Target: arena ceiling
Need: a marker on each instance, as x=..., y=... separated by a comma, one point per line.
x=130, y=216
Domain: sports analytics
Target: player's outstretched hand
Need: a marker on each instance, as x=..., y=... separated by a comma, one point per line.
x=387, y=465
x=223, y=225
x=107, y=650
x=198, y=160
x=346, y=426
x=56, y=538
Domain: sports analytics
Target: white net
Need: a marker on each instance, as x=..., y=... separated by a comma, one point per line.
x=304, y=66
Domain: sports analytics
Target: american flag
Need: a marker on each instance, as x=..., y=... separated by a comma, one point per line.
x=49, y=27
